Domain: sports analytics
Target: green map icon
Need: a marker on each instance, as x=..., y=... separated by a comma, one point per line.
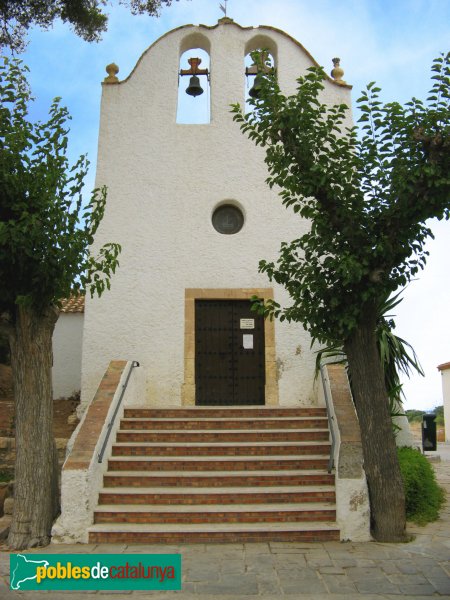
x=23, y=570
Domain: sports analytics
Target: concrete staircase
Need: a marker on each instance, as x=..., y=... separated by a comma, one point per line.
x=218, y=475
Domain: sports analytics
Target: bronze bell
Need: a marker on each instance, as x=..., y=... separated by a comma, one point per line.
x=194, y=88
x=254, y=92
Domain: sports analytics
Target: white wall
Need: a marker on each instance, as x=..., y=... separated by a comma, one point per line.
x=67, y=345
x=446, y=398
x=164, y=181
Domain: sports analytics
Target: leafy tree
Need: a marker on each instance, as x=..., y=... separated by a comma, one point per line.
x=87, y=17
x=45, y=234
x=414, y=415
x=367, y=194
x=439, y=412
x=396, y=355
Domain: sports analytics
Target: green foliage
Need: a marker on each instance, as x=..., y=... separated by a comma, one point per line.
x=424, y=497
x=415, y=416
x=396, y=356
x=439, y=412
x=45, y=232
x=367, y=194
x=85, y=16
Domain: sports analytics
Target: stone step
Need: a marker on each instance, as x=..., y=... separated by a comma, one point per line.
x=222, y=436
x=136, y=533
x=217, y=475
x=219, y=424
x=222, y=449
x=250, y=513
x=244, y=463
x=215, y=412
x=213, y=496
x=216, y=479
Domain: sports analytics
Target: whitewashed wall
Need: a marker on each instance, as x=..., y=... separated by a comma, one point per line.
x=67, y=345
x=445, y=372
x=164, y=181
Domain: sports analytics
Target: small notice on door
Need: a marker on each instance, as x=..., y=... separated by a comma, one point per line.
x=247, y=341
x=247, y=323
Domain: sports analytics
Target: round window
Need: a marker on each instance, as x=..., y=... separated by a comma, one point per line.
x=227, y=219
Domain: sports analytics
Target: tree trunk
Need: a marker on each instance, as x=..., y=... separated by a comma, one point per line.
x=386, y=492
x=36, y=499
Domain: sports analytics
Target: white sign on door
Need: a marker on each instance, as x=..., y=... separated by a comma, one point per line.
x=247, y=341
x=247, y=323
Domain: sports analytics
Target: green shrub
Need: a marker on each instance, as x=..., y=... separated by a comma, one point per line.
x=424, y=497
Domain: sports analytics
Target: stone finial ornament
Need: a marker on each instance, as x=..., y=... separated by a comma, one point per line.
x=338, y=72
x=112, y=71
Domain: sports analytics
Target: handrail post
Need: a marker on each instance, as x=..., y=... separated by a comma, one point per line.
x=134, y=364
x=331, y=422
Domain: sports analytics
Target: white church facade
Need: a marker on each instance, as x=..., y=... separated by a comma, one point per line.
x=171, y=188
x=219, y=392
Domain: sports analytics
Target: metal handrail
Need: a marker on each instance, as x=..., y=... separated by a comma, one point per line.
x=116, y=410
x=331, y=421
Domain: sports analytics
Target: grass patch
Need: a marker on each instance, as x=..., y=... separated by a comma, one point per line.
x=424, y=497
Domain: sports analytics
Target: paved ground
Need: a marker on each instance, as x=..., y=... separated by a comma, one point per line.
x=321, y=571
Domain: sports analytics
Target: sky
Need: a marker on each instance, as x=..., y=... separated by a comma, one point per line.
x=392, y=42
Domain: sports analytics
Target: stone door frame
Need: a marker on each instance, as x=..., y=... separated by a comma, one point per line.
x=193, y=294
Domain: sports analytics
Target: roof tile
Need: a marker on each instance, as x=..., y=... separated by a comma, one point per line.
x=74, y=304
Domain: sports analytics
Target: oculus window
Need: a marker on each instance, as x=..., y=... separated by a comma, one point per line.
x=228, y=219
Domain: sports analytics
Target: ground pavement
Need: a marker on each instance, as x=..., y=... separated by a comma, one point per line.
x=320, y=571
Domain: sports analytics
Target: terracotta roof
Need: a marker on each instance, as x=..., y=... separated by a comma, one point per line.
x=444, y=366
x=74, y=304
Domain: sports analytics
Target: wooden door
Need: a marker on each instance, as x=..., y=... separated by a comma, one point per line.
x=229, y=353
